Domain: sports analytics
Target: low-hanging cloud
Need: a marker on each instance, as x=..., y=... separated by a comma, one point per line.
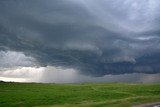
x=52, y=74
x=93, y=37
x=12, y=59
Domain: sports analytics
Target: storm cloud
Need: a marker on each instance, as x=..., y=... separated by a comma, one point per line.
x=93, y=37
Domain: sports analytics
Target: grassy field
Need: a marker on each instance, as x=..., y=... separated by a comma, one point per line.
x=77, y=95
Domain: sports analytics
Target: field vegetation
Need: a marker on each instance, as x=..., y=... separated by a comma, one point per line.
x=77, y=95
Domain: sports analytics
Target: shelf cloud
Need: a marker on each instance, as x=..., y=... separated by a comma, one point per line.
x=92, y=37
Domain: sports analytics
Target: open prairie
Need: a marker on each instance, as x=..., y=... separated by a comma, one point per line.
x=77, y=95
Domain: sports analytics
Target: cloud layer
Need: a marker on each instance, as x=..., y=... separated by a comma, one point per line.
x=52, y=74
x=93, y=37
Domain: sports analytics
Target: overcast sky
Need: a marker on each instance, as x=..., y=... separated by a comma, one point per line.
x=75, y=40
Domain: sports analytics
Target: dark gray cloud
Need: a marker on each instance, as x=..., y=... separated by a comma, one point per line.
x=94, y=37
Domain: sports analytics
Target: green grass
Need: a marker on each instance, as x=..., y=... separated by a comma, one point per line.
x=77, y=95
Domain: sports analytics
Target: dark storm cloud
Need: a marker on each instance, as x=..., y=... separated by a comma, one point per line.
x=94, y=37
